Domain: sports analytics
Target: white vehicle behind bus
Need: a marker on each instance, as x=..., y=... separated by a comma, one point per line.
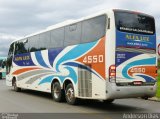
x=2, y=68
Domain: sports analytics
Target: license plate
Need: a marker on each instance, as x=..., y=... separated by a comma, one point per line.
x=137, y=82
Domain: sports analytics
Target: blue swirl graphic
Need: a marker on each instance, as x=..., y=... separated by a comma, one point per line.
x=39, y=58
x=75, y=52
x=147, y=78
x=72, y=75
x=46, y=80
x=82, y=67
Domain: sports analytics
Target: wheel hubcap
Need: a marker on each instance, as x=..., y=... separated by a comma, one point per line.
x=70, y=94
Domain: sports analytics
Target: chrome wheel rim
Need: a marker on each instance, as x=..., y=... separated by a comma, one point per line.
x=70, y=94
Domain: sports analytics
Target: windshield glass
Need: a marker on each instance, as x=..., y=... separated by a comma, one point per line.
x=135, y=31
x=134, y=22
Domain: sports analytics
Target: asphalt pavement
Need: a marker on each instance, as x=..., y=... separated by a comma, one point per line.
x=29, y=101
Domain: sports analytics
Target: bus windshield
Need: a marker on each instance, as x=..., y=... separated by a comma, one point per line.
x=135, y=31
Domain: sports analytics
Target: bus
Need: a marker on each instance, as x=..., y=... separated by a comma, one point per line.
x=106, y=56
x=2, y=67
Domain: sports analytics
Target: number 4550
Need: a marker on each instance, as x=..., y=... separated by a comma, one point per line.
x=93, y=59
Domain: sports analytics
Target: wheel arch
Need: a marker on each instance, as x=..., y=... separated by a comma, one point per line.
x=55, y=80
x=66, y=82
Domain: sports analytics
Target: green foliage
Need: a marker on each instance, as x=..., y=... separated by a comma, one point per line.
x=158, y=85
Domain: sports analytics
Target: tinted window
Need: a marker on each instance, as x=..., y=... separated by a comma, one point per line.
x=57, y=37
x=10, y=53
x=72, y=34
x=81, y=32
x=33, y=43
x=19, y=47
x=44, y=41
x=134, y=22
x=9, y=58
x=26, y=44
x=93, y=29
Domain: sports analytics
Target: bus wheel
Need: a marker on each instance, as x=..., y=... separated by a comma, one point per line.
x=0, y=75
x=15, y=86
x=145, y=98
x=108, y=101
x=70, y=96
x=57, y=93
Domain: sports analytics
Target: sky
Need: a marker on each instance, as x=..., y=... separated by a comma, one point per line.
x=19, y=18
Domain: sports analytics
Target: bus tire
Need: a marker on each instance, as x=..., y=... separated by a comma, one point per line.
x=145, y=98
x=109, y=101
x=0, y=75
x=17, y=89
x=70, y=95
x=57, y=92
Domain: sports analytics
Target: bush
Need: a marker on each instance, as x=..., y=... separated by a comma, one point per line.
x=158, y=85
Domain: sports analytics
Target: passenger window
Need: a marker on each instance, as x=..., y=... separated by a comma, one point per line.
x=72, y=34
x=57, y=38
x=93, y=29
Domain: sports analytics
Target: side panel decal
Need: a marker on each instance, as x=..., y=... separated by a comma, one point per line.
x=62, y=62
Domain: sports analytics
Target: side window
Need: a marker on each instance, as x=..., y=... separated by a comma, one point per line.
x=93, y=29
x=20, y=47
x=10, y=53
x=72, y=34
x=26, y=45
x=57, y=37
x=17, y=50
x=9, y=58
x=33, y=43
x=44, y=41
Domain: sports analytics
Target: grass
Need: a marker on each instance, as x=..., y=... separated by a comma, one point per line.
x=158, y=85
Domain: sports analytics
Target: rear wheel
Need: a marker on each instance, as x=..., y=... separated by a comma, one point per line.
x=70, y=95
x=145, y=98
x=0, y=75
x=17, y=89
x=57, y=93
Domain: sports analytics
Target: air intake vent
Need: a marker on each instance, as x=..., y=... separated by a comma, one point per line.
x=84, y=82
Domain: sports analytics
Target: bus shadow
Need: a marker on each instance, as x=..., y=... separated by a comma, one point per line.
x=91, y=104
x=36, y=93
x=112, y=107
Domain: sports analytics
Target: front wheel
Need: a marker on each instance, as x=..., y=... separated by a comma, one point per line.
x=70, y=95
x=0, y=75
x=17, y=89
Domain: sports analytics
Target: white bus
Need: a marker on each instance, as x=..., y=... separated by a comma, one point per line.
x=106, y=56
